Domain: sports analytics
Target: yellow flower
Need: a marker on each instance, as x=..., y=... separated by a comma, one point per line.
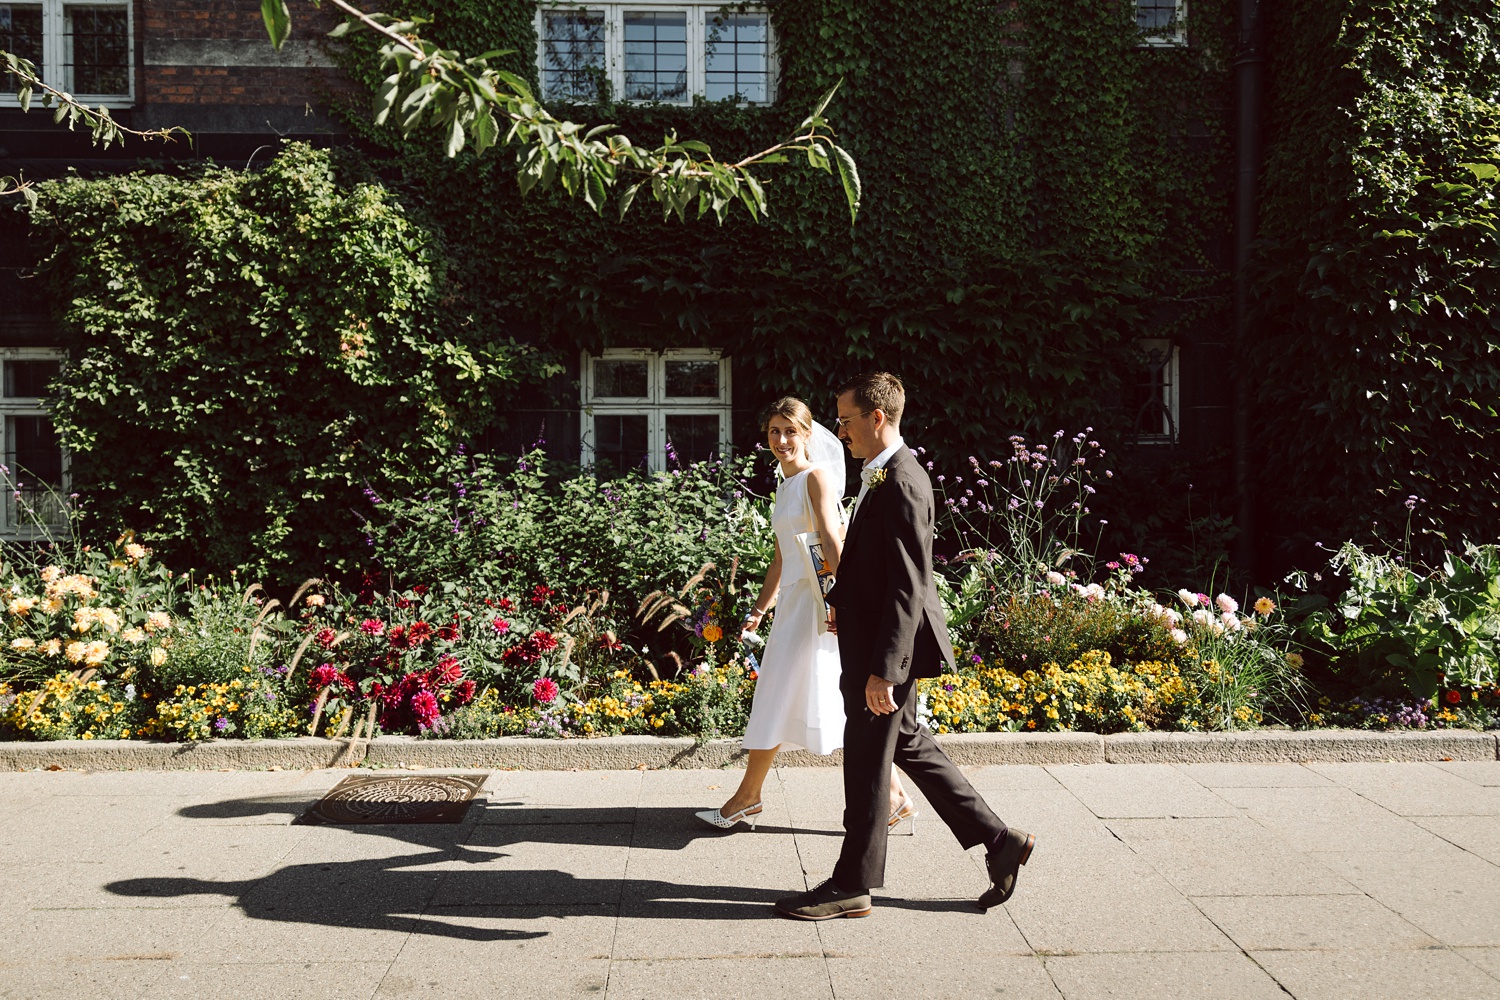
x=22, y=643
x=52, y=605
x=51, y=573
x=52, y=647
x=95, y=653
x=315, y=600
x=712, y=633
x=134, y=636
x=75, y=651
x=158, y=656
x=1294, y=660
x=22, y=605
x=109, y=618
x=135, y=551
x=1264, y=606
x=157, y=620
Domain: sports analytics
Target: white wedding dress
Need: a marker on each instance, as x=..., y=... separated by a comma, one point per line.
x=797, y=702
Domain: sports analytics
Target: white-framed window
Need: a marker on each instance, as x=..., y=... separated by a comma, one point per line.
x=84, y=49
x=1155, y=393
x=1161, y=22
x=656, y=50
x=654, y=410
x=36, y=465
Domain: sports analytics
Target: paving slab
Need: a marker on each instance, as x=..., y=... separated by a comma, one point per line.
x=1479, y=835
x=1329, y=819
x=906, y=973
x=1126, y=790
x=1228, y=856
x=1312, y=923
x=283, y=980
x=54, y=979
x=1220, y=975
x=799, y=978
x=1449, y=893
x=1432, y=974
x=1414, y=789
x=1253, y=775
x=1479, y=772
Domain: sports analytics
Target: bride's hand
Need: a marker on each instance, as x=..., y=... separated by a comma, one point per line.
x=833, y=625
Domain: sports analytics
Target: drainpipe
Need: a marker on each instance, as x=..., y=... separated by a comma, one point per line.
x=1249, y=74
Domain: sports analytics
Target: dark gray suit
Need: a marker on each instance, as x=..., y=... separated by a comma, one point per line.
x=890, y=623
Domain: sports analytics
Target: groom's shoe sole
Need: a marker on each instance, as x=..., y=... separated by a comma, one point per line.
x=827, y=916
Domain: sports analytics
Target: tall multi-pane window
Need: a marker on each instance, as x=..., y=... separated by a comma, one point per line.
x=572, y=54
x=653, y=411
x=656, y=55
x=655, y=50
x=1161, y=22
x=84, y=49
x=35, y=466
x=737, y=54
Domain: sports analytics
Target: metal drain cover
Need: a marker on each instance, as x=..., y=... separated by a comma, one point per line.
x=411, y=798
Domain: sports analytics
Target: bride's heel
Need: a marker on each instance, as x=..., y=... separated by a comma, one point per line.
x=905, y=812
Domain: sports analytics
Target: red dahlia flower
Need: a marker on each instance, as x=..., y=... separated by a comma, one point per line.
x=500, y=625
x=323, y=675
x=372, y=626
x=465, y=692
x=544, y=690
x=424, y=706
x=325, y=638
x=397, y=637
x=419, y=633
x=505, y=604
x=1453, y=697
x=448, y=671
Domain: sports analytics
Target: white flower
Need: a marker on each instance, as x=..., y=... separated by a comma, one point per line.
x=1218, y=629
x=22, y=643
x=1188, y=597
x=1173, y=618
x=1202, y=617
x=1227, y=604
x=130, y=692
x=315, y=600
x=1093, y=592
x=1179, y=635
x=1056, y=579
x=158, y=620
x=158, y=656
x=1231, y=622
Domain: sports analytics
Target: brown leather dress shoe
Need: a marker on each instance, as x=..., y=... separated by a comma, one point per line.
x=1004, y=865
x=824, y=903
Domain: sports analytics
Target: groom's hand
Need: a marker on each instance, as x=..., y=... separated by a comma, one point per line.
x=880, y=695
x=833, y=624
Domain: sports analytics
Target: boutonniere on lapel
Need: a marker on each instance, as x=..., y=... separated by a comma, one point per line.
x=876, y=478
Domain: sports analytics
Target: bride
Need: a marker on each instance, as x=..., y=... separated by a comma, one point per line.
x=797, y=701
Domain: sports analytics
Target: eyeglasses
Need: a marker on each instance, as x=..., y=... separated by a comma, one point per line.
x=842, y=422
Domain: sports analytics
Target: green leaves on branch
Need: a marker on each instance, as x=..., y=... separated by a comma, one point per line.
x=467, y=99
x=98, y=120
x=278, y=21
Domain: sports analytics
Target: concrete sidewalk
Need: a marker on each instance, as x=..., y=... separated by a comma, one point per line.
x=1242, y=881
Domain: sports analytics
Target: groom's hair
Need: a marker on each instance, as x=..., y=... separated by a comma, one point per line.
x=878, y=391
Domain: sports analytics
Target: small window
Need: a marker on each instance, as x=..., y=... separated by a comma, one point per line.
x=654, y=411
x=656, y=50
x=1161, y=22
x=82, y=49
x=1154, y=395
x=35, y=465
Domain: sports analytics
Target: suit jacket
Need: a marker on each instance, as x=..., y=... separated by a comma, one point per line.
x=890, y=617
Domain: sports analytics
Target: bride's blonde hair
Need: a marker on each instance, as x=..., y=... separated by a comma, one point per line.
x=792, y=409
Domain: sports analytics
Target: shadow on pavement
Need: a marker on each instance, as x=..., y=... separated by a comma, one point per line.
x=395, y=893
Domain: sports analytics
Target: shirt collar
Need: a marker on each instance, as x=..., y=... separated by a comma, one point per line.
x=879, y=461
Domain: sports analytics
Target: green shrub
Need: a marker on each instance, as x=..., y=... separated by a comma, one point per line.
x=249, y=350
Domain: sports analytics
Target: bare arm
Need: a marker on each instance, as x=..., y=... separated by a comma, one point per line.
x=823, y=499
x=766, y=599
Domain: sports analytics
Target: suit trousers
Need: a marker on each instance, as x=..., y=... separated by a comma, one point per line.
x=872, y=743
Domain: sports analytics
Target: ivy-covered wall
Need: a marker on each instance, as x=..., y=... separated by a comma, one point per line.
x=1041, y=191
x=1378, y=344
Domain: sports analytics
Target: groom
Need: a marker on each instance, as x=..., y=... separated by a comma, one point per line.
x=891, y=631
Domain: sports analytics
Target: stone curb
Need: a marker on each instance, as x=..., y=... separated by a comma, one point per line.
x=631, y=752
x=1267, y=746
